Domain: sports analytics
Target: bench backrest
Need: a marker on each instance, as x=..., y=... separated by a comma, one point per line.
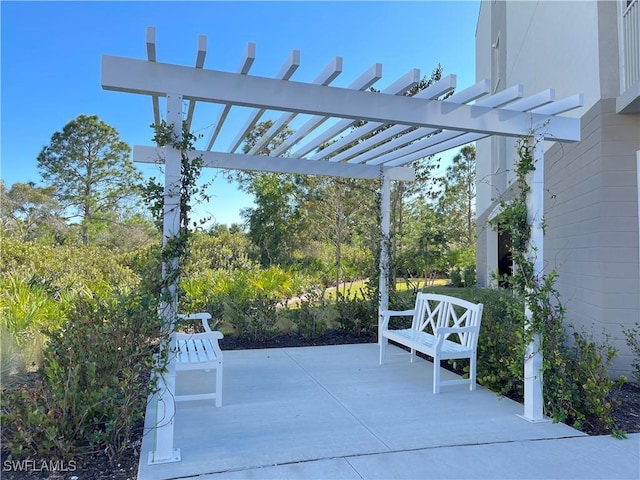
x=433, y=311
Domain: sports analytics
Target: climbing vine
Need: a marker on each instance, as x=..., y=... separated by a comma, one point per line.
x=576, y=385
x=176, y=249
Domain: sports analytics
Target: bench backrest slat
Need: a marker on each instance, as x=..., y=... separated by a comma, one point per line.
x=433, y=311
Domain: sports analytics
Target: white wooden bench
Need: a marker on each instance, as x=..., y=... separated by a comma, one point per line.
x=200, y=351
x=443, y=327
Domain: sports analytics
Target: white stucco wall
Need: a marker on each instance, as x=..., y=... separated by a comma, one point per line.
x=554, y=44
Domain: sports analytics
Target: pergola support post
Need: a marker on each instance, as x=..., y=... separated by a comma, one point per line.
x=385, y=222
x=164, y=451
x=533, y=398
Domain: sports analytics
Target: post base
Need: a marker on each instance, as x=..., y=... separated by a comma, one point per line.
x=174, y=458
x=534, y=420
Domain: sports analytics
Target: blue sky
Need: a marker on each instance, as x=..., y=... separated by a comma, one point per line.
x=51, y=55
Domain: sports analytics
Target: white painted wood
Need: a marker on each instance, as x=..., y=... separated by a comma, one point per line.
x=286, y=72
x=385, y=224
x=467, y=95
x=328, y=75
x=363, y=82
x=533, y=397
x=200, y=351
x=561, y=106
x=165, y=407
x=146, y=154
x=442, y=327
x=533, y=101
x=151, y=56
x=245, y=66
x=200, y=56
x=401, y=85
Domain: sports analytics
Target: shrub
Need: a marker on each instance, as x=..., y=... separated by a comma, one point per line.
x=576, y=384
x=633, y=342
x=94, y=382
x=456, y=277
x=357, y=313
x=469, y=275
x=253, y=298
x=311, y=318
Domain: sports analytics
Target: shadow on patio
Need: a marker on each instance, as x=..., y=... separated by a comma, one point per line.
x=333, y=412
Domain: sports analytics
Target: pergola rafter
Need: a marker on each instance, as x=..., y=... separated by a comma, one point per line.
x=409, y=128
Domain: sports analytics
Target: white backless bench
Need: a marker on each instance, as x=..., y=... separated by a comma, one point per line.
x=200, y=351
x=443, y=327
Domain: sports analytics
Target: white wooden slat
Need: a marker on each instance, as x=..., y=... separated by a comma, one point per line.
x=151, y=56
x=478, y=90
x=502, y=97
x=507, y=96
x=200, y=56
x=436, y=148
x=398, y=87
x=243, y=69
x=529, y=103
x=364, y=81
x=183, y=351
x=433, y=91
x=286, y=72
x=474, y=92
x=561, y=106
x=328, y=75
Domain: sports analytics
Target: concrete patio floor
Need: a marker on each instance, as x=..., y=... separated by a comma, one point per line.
x=333, y=412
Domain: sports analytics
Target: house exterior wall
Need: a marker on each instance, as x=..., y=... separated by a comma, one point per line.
x=591, y=204
x=591, y=214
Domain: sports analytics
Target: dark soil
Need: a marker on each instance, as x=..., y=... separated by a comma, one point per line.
x=96, y=467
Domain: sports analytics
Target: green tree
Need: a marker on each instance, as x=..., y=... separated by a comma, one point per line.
x=457, y=199
x=90, y=166
x=29, y=211
x=273, y=221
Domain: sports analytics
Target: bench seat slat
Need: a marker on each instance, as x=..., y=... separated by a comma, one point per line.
x=425, y=341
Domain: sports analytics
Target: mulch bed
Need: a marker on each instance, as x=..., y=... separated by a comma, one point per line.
x=96, y=467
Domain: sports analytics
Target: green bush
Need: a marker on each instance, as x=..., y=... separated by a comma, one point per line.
x=469, y=275
x=312, y=315
x=577, y=387
x=456, y=277
x=357, y=313
x=253, y=298
x=633, y=342
x=94, y=382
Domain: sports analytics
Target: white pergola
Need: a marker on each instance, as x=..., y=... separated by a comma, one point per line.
x=420, y=126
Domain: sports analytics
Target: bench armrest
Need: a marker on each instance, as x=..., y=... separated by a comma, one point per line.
x=444, y=332
x=387, y=314
x=203, y=317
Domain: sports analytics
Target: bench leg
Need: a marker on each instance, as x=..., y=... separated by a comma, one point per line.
x=436, y=375
x=383, y=349
x=472, y=372
x=413, y=355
